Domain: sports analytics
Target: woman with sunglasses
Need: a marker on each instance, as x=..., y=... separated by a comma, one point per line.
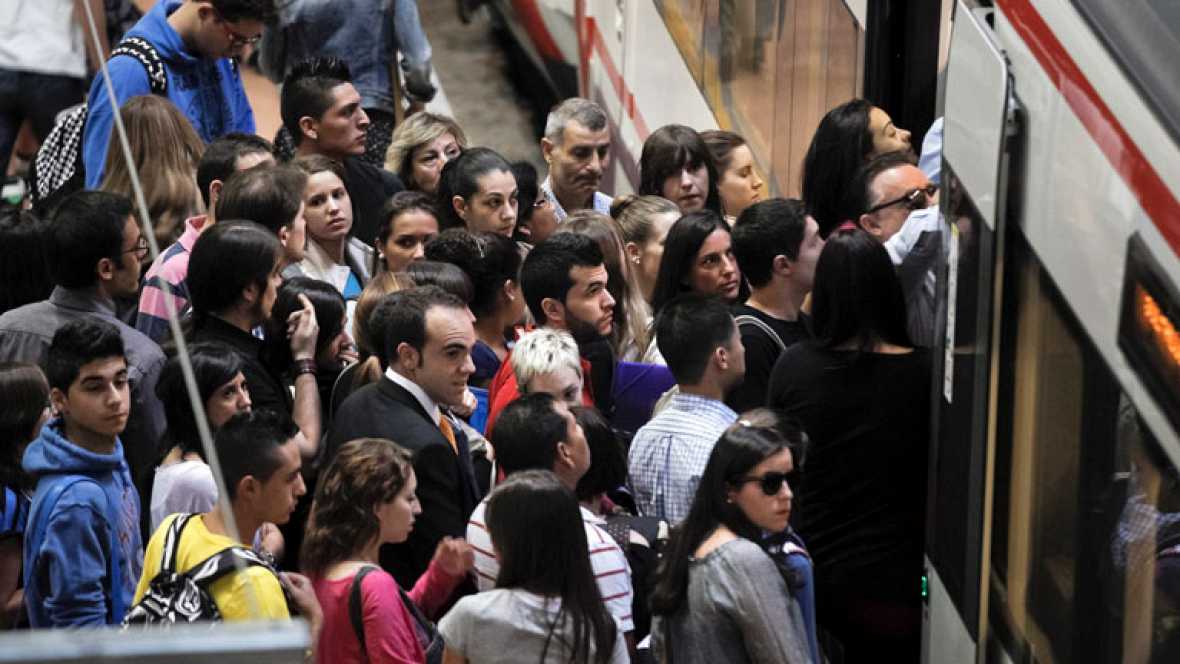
x=862, y=393
x=719, y=596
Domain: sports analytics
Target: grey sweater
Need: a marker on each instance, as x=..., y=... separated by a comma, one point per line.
x=739, y=610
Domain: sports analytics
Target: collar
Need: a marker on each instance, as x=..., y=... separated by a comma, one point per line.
x=410, y=386
x=89, y=300
x=591, y=517
x=699, y=405
x=547, y=191
x=246, y=342
x=192, y=230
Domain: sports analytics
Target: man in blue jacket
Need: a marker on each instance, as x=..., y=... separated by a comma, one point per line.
x=196, y=40
x=82, y=549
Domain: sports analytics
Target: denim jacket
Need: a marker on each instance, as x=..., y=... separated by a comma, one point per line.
x=366, y=34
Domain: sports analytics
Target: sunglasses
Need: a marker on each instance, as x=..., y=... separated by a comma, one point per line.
x=770, y=483
x=917, y=199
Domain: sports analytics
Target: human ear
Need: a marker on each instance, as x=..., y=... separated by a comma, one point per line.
x=782, y=264
x=869, y=223
x=106, y=269
x=633, y=252
x=307, y=126
x=554, y=310
x=284, y=235
x=407, y=356
x=59, y=399
x=460, y=206
x=251, y=294
x=547, y=147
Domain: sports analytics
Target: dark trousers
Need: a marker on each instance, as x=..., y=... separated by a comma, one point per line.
x=37, y=98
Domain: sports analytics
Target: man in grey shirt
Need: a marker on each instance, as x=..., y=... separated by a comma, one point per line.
x=94, y=248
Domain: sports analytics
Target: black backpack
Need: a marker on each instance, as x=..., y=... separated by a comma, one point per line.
x=174, y=597
x=57, y=169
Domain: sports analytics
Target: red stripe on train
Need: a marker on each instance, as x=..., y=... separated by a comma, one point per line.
x=590, y=40
x=534, y=25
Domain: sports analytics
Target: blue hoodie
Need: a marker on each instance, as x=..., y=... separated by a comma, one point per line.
x=66, y=569
x=208, y=92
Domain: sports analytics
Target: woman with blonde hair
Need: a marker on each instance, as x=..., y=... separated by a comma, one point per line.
x=168, y=176
x=644, y=222
x=421, y=146
x=365, y=499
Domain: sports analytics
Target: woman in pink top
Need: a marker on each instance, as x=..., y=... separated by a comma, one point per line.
x=365, y=498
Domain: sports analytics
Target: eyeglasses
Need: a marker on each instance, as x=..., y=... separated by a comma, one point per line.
x=140, y=249
x=916, y=199
x=236, y=39
x=770, y=483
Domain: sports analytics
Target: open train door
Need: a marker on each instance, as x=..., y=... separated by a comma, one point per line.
x=979, y=132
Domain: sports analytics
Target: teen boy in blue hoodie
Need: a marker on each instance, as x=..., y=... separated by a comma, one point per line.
x=83, y=553
x=196, y=40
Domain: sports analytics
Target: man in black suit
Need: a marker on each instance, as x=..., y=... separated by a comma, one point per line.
x=427, y=347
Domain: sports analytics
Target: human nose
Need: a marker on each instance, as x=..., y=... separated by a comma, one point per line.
x=728, y=265
x=608, y=301
x=419, y=250
x=300, y=487
x=905, y=135
x=685, y=179
x=597, y=163
x=244, y=402
x=468, y=365
x=757, y=184
x=509, y=211
x=363, y=120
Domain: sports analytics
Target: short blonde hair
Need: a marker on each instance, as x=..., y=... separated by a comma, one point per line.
x=542, y=351
x=415, y=131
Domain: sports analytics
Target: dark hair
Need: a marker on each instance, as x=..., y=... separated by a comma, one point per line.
x=688, y=329
x=269, y=196
x=220, y=160
x=744, y=445
x=233, y=11
x=77, y=343
x=839, y=147
x=527, y=433
x=25, y=392
x=546, y=270
x=527, y=191
x=488, y=259
x=766, y=229
x=609, y=236
x=225, y=260
x=536, y=527
x=307, y=91
x=684, y=241
x=721, y=145
x=24, y=275
x=310, y=164
x=858, y=198
x=402, y=315
x=397, y=205
x=608, y=461
x=460, y=177
x=87, y=227
x=214, y=365
x=248, y=443
x=329, y=314
x=444, y=275
x=670, y=149
x=363, y=474
x=857, y=296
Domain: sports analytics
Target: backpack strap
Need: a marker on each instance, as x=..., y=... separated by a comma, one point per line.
x=223, y=562
x=747, y=319
x=355, y=606
x=147, y=55
x=172, y=543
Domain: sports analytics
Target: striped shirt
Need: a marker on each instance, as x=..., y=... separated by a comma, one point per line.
x=610, y=567
x=668, y=454
x=172, y=267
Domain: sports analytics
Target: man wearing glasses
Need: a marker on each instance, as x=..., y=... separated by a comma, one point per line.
x=894, y=201
x=198, y=42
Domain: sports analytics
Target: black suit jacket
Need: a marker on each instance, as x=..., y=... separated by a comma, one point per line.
x=446, y=483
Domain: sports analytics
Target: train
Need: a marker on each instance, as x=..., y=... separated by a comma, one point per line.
x=1053, y=532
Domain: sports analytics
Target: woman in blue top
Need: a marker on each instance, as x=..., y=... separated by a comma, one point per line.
x=25, y=395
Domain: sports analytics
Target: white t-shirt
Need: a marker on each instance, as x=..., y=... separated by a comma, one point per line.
x=185, y=486
x=509, y=626
x=41, y=36
x=607, y=560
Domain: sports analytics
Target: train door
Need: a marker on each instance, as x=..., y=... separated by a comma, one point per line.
x=979, y=132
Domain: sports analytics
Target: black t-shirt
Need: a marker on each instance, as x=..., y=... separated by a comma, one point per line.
x=860, y=502
x=368, y=187
x=761, y=353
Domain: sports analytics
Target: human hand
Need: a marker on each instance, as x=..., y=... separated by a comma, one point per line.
x=455, y=556
x=303, y=595
x=271, y=539
x=302, y=330
x=465, y=409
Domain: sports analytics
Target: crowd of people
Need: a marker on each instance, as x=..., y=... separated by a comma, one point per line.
x=445, y=409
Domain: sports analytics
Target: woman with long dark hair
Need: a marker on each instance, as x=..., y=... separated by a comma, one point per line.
x=675, y=163
x=698, y=258
x=848, y=136
x=25, y=394
x=477, y=191
x=738, y=182
x=718, y=596
x=862, y=392
x=365, y=498
x=546, y=606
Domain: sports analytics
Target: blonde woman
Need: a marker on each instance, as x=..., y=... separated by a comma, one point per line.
x=421, y=146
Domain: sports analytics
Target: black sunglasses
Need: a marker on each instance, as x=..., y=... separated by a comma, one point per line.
x=916, y=199
x=770, y=483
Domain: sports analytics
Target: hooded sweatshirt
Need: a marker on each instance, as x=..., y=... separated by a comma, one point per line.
x=66, y=569
x=208, y=92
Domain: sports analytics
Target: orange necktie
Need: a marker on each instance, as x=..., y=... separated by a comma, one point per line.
x=444, y=425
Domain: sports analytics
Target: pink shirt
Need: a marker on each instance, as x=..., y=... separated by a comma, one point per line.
x=389, y=627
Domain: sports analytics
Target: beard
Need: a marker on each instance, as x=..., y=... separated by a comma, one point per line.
x=581, y=331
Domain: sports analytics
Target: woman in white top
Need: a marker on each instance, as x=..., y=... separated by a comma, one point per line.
x=546, y=606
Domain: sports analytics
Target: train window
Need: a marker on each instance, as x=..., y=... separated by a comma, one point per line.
x=1144, y=37
x=1086, y=518
x=686, y=23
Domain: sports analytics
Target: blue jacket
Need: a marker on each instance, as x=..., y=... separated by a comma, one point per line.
x=68, y=571
x=208, y=92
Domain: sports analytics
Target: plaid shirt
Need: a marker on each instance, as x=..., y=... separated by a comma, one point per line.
x=600, y=201
x=669, y=453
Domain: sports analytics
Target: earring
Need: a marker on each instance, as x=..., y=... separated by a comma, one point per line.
x=635, y=260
